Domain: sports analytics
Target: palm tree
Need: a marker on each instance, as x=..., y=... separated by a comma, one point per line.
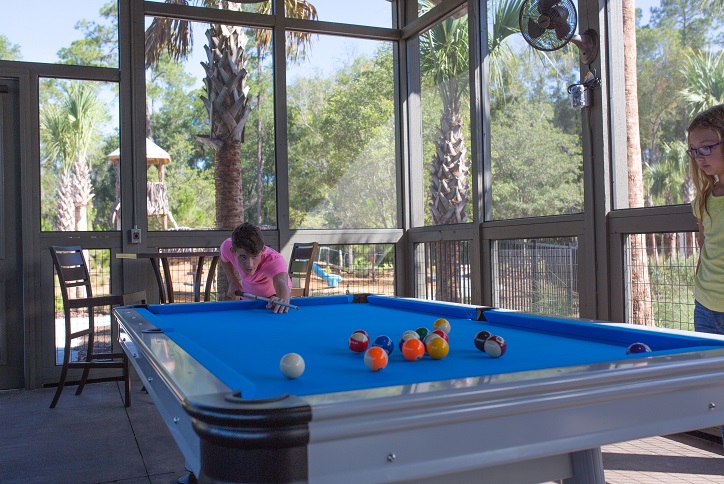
x=444, y=57
x=642, y=312
x=704, y=72
x=667, y=179
x=72, y=130
x=226, y=89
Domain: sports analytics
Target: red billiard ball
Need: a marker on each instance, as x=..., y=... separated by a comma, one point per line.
x=438, y=348
x=376, y=358
x=413, y=349
x=362, y=331
x=495, y=346
x=358, y=342
x=638, y=348
x=480, y=339
x=442, y=334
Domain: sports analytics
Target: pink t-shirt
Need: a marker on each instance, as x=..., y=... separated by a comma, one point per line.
x=260, y=283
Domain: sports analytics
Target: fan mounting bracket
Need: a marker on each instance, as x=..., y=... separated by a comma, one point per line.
x=587, y=44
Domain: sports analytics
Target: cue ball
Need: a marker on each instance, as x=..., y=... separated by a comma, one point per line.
x=638, y=348
x=495, y=346
x=358, y=342
x=292, y=365
x=442, y=324
x=480, y=339
x=376, y=358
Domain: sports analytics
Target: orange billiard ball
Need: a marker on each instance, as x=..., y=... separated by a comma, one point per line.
x=413, y=349
x=376, y=358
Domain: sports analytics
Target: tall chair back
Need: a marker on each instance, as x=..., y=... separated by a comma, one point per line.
x=300, y=267
x=77, y=293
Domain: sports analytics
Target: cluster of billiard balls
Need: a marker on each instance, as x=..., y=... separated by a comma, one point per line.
x=412, y=344
x=491, y=344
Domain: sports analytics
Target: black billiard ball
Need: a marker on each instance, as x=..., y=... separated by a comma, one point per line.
x=480, y=339
x=638, y=348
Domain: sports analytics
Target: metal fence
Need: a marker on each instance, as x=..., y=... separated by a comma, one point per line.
x=659, y=279
x=536, y=275
x=442, y=271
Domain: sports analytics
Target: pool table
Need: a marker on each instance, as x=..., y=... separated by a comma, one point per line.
x=540, y=412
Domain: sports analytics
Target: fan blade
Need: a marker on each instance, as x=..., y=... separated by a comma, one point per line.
x=534, y=30
x=561, y=12
x=544, y=21
x=545, y=5
x=563, y=30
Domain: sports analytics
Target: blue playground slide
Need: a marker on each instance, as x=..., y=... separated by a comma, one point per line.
x=331, y=279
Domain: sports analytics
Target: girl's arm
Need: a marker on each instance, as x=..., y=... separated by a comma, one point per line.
x=234, y=284
x=700, y=240
x=281, y=287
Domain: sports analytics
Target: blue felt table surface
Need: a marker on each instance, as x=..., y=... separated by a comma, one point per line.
x=241, y=343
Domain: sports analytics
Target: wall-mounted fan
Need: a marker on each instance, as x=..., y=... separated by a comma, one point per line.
x=550, y=24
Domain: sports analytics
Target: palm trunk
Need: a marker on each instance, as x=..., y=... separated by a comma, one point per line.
x=66, y=209
x=82, y=193
x=227, y=180
x=640, y=285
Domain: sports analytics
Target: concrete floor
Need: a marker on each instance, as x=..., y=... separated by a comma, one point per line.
x=93, y=438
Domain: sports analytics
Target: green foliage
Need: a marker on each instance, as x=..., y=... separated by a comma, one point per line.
x=191, y=196
x=536, y=166
x=8, y=50
x=99, y=45
x=672, y=280
x=341, y=146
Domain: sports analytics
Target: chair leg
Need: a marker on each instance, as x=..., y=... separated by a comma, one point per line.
x=83, y=380
x=61, y=383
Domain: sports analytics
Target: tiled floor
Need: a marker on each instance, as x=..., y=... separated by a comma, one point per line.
x=681, y=459
x=93, y=438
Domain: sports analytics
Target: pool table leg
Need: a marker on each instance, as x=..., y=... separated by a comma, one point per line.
x=587, y=466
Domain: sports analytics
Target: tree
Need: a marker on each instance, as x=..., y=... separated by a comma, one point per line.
x=444, y=58
x=704, y=73
x=99, y=45
x=667, y=179
x=640, y=289
x=227, y=94
x=71, y=129
x=8, y=50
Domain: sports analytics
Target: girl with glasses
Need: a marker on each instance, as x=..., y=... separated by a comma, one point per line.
x=706, y=152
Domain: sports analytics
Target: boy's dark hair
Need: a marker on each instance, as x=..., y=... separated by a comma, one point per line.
x=248, y=237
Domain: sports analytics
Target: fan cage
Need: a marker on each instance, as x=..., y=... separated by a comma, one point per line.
x=548, y=40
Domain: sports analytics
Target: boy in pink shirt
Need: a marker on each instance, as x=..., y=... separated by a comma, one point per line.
x=263, y=270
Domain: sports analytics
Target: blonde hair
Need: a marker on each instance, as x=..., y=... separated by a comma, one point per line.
x=713, y=119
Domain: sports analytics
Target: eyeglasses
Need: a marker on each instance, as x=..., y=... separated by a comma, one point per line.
x=702, y=151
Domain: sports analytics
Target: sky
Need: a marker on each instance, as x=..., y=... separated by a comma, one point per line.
x=60, y=17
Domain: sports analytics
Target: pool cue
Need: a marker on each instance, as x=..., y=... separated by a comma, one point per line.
x=252, y=296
